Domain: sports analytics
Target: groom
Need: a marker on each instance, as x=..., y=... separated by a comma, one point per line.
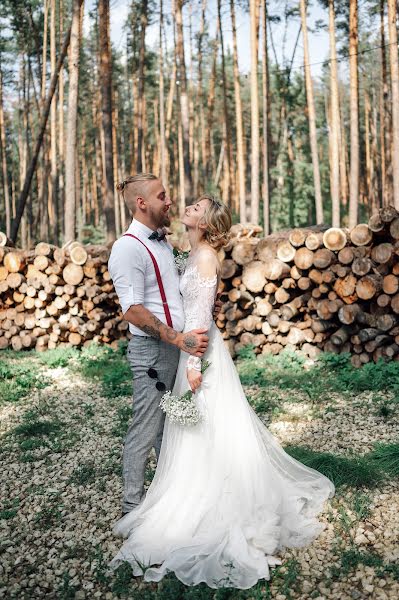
x=142, y=269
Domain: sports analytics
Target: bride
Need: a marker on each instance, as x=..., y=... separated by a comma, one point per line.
x=225, y=498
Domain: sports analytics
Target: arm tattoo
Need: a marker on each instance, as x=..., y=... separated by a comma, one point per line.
x=155, y=329
x=151, y=331
x=190, y=341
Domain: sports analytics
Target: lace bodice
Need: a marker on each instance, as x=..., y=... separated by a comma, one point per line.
x=198, y=286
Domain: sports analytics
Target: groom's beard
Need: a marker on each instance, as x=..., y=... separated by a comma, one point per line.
x=160, y=219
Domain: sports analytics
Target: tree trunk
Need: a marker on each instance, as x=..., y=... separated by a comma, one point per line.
x=4, y=167
x=140, y=113
x=46, y=110
x=53, y=196
x=106, y=105
x=266, y=124
x=211, y=104
x=204, y=153
x=254, y=114
x=354, y=114
x=61, y=130
x=184, y=112
x=239, y=122
x=334, y=130
x=227, y=128
x=311, y=117
x=70, y=154
x=162, y=104
x=393, y=53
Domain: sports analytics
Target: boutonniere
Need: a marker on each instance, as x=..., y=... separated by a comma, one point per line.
x=180, y=259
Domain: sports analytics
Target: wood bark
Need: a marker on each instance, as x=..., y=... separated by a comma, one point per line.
x=393, y=54
x=106, y=121
x=70, y=150
x=311, y=116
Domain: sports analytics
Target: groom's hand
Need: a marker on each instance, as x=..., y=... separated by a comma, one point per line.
x=194, y=342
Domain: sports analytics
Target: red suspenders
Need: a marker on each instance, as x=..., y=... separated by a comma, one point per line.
x=159, y=280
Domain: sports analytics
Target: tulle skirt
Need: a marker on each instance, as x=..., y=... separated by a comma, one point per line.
x=225, y=497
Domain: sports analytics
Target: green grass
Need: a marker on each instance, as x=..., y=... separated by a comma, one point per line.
x=18, y=378
x=355, y=472
x=351, y=559
x=386, y=457
x=107, y=366
x=331, y=372
x=84, y=475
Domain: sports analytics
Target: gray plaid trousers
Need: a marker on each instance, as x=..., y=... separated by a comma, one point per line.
x=146, y=429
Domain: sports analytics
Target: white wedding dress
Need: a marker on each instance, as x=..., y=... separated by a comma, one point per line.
x=225, y=497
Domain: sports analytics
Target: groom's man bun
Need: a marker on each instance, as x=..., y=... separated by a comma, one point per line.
x=132, y=187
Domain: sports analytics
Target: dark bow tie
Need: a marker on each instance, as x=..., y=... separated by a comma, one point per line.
x=156, y=235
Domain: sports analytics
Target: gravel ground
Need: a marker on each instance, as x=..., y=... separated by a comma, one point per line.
x=60, y=496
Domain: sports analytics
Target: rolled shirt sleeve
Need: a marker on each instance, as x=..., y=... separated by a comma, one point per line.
x=127, y=276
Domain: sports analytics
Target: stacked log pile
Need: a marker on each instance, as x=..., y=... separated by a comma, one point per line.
x=310, y=289
x=57, y=296
x=315, y=289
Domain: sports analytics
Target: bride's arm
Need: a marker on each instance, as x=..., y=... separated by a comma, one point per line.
x=205, y=283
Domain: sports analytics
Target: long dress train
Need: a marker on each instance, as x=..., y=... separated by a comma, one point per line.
x=225, y=497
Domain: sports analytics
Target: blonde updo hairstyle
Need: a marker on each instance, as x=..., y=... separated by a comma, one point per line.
x=217, y=218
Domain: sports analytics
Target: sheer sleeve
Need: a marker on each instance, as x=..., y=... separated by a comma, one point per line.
x=201, y=283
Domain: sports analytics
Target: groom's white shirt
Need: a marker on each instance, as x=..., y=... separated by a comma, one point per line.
x=134, y=279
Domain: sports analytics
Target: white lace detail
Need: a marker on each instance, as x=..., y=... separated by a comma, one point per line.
x=198, y=297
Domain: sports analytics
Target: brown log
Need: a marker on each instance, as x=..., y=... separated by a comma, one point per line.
x=14, y=262
x=276, y=269
x=334, y=238
x=346, y=255
x=316, y=276
x=72, y=274
x=323, y=258
x=395, y=304
x=383, y=300
x=375, y=223
x=361, y=235
x=297, y=237
x=295, y=272
x=346, y=286
x=266, y=249
x=340, y=336
x=228, y=268
x=390, y=284
x=321, y=325
x=386, y=322
x=347, y=314
x=273, y=318
x=314, y=240
x=382, y=253
x=285, y=251
x=394, y=228
x=43, y=249
x=304, y=283
x=388, y=213
x=244, y=251
x=378, y=341
x=361, y=266
x=292, y=308
x=304, y=258
x=288, y=283
x=281, y=295
x=368, y=286
x=78, y=255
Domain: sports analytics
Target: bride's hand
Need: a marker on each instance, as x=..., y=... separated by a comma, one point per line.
x=194, y=379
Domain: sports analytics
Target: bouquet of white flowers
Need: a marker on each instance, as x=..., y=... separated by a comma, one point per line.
x=182, y=409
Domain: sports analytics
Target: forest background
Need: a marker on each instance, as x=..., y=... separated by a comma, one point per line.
x=282, y=147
